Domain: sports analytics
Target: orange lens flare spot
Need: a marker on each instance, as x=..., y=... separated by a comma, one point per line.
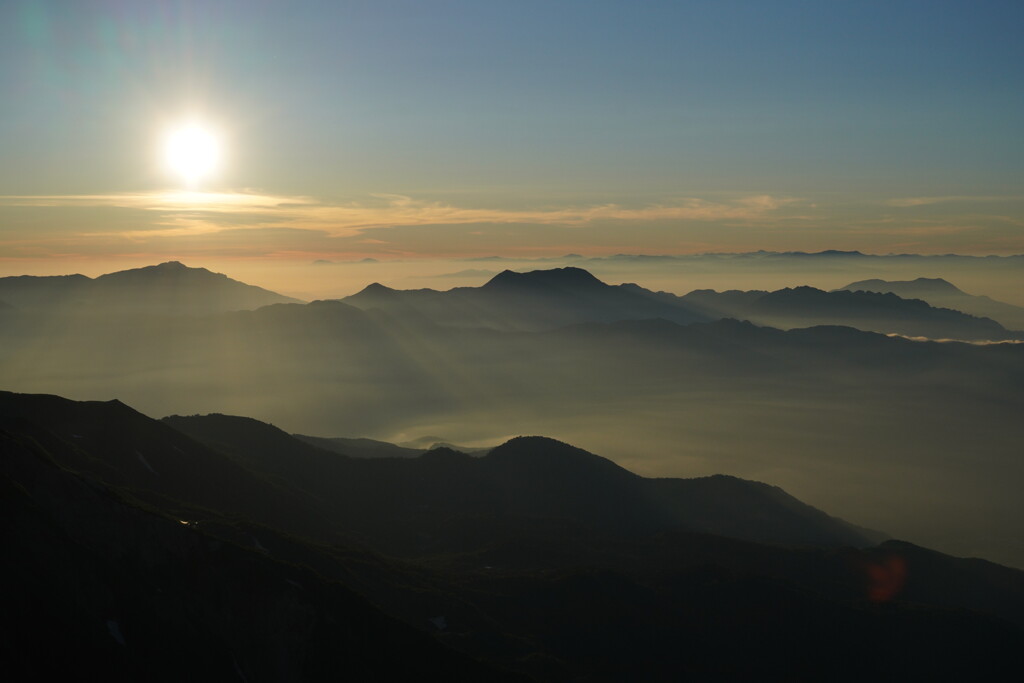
x=885, y=577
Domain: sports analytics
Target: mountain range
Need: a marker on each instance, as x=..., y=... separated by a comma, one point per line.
x=215, y=546
x=826, y=412
x=538, y=300
x=221, y=547
x=548, y=299
x=929, y=429
x=886, y=313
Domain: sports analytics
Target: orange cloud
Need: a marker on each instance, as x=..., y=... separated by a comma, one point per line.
x=191, y=213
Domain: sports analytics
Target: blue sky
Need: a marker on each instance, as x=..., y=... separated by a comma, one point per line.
x=878, y=126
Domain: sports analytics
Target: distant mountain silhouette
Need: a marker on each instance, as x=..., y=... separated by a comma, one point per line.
x=166, y=288
x=547, y=299
x=360, y=447
x=788, y=257
x=537, y=300
x=940, y=293
x=907, y=289
x=571, y=279
x=32, y=292
x=886, y=313
x=182, y=568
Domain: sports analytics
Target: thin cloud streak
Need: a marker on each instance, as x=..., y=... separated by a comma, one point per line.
x=159, y=201
x=189, y=213
x=972, y=342
x=909, y=202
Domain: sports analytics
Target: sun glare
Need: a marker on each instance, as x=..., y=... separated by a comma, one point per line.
x=192, y=152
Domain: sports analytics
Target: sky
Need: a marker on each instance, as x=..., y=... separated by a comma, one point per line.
x=449, y=129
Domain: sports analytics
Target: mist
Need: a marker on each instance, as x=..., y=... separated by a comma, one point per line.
x=313, y=278
x=918, y=439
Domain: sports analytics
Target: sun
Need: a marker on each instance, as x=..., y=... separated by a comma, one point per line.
x=192, y=152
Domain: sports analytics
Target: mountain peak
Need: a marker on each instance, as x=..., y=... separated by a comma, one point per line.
x=536, y=447
x=922, y=285
x=172, y=269
x=376, y=288
x=173, y=286
x=564, y=278
x=540, y=454
x=373, y=293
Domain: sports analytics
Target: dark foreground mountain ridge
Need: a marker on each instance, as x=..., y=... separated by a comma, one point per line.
x=139, y=552
x=433, y=498
x=110, y=587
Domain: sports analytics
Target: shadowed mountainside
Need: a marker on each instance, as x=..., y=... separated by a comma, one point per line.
x=939, y=292
x=360, y=447
x=547, y=299
x=538, y=300
x=997, y=276
x=939, y=458
x=448, y=497
x=886, y=313
x=117, y=589
x=108, y=575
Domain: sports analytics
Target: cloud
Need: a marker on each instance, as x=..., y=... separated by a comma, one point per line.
x=469, y=272
x=915, y=228
x=191, y=213
x=907, y=202
x=159, y=201
x=973, y=342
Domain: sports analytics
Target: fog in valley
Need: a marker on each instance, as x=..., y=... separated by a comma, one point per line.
x=917, y=439
x=511, y=342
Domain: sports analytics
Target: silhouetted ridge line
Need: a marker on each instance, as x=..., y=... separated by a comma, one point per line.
x=537, y=300
x=943, y=294
x=922, y=284
x=555, y=277
x=544, y=452
x=166, y=288
x=883, y=312
x=541, y=558
x=376, y=288
x=524, y=478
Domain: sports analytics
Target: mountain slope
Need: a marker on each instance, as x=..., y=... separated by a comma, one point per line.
x=111, y=590
x=755, y=402
x=876, y=312
x=940, y=293
x=547, y=299
x=361, y=448
x=127, y=450
x=166, y=288
x=538, y=300
x=124, y=590
x=450, y=497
